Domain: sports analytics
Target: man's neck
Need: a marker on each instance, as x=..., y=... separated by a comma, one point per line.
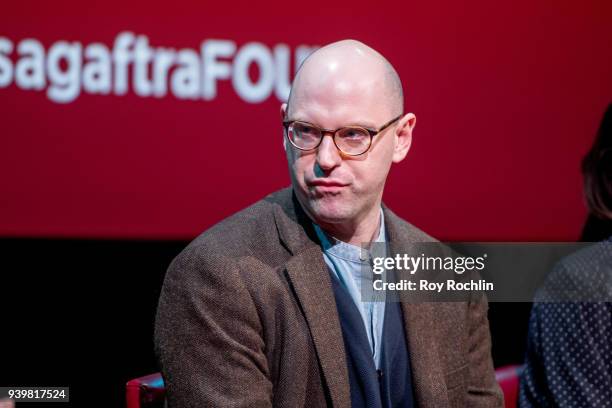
x=357, y=233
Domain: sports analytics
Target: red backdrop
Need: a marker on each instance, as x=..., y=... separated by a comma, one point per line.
x=507, y=96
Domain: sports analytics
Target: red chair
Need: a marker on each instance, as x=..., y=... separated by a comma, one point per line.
x=146, y=392
x=508, y=379
x=150, y=392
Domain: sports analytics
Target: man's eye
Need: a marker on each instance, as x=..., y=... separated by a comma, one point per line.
x=353, y=134
x=306, y=130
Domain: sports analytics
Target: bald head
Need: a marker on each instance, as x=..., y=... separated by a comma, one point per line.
x=348, y=67
x=344, y=84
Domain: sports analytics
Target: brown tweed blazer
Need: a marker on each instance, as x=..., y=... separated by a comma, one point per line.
x=247, y=318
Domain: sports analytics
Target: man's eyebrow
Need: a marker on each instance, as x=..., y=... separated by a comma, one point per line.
x=298, y=119
x=366, y=125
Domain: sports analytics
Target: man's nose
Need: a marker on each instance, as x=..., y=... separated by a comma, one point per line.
x=328, y=155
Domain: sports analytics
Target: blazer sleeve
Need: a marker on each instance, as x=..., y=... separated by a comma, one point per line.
x=208, y=335
x=483, y=389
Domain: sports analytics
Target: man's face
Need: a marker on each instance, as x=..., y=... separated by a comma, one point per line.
x=334, y=188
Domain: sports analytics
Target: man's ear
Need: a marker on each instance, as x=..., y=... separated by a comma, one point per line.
x=283, y=112
x=403, y=137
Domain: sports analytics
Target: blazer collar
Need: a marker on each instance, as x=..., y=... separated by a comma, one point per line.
x=311, y=281
x=293, y=225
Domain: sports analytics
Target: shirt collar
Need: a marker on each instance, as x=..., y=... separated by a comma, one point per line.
x=346, y=251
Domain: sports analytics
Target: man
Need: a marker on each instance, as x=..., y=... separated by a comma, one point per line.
x=262, y=309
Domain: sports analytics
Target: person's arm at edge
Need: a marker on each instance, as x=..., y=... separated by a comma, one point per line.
x=531, y=386
x=208, y=335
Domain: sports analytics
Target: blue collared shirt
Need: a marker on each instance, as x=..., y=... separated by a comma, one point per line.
x=351, y=265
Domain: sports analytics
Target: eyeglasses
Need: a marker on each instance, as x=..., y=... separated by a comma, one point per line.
x=350, y=140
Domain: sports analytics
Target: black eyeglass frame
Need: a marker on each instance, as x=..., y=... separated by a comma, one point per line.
x=371, y=132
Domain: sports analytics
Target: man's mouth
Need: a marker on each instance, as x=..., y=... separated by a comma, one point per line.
x=326, y=183
x=324, y=186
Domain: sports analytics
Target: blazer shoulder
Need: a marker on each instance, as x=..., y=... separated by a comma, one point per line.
x=245, y=233
x=403, y=230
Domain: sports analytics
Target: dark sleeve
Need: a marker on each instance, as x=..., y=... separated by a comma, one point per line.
x=208, y=335
x=568, y=361
x=483, y=390
x=533, y=391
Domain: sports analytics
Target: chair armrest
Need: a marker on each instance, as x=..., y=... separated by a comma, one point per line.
x=146, y=392
x=508, y=379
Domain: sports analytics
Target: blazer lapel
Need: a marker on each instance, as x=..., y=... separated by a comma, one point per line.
x=420, y=327
x=428, y=379
x=310, y=278
x=311, y=281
